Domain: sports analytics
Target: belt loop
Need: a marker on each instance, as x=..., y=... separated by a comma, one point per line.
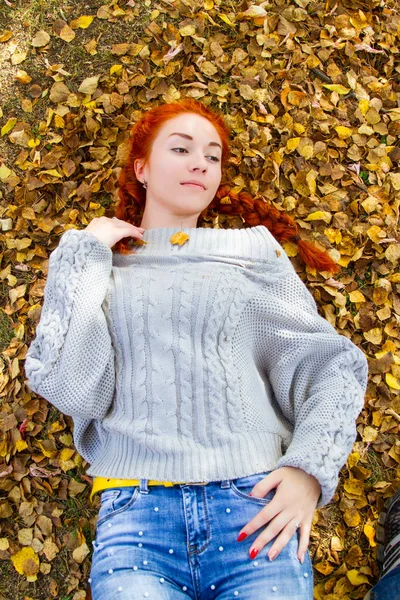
x=144, y=489
x=225, y=483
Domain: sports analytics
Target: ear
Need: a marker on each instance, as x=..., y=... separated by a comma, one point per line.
x=139, y=166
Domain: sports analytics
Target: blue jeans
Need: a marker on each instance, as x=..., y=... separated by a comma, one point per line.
x=387, y=588
x=179, y=543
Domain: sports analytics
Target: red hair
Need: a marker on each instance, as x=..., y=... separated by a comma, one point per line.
x=254, y=210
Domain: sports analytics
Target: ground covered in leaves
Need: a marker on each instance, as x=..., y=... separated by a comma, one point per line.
x=311, y=92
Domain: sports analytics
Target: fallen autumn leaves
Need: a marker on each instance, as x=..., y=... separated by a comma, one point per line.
x=311, y=93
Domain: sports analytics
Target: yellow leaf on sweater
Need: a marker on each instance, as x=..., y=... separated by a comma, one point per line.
x=179, y=238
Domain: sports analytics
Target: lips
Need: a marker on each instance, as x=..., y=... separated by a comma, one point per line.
x=194, y=184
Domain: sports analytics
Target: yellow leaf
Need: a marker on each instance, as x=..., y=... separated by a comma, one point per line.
x=226, y=20
x=52, y=172
x=66, y=439
x=290, y=248
x=356, y=296
x=22, y=76
x=343, y=132
x=354, y=487
x=116, y=69
x=20, y=445
x=324, y=567
x=6, y=36
x=292, y=143
x=336, y=87
x=313, y=61
x=5, y=172
x=352, y=517
x=319, y=215
x=179, y=238
x=4, y=544
x=295, y=98
x=187, y=30
x=363, y=105
x=319, y=591
x=356, y=578
x=353, y=459
x=66, y=454
x=299, y=128
x=32, y=143
x=311, y=180
x=369, y=434
x=374, y=335
x=306, y=151
x=84, y=21
x=369, y=531
x=392, y=381
x=8, y=126
x=26, y=562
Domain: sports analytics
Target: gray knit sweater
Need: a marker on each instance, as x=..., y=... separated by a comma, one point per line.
x=198, y=362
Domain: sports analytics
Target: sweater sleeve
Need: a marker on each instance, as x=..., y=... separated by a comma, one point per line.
x=318, y=376
x=71, y=360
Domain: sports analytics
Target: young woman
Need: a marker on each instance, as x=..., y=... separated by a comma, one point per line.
x=214, y=405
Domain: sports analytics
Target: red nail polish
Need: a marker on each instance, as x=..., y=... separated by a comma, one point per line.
x=250, y=494
x=254, y=553
x=242, y=536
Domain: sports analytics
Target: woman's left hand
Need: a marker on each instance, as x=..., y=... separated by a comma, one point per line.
x=294, y=503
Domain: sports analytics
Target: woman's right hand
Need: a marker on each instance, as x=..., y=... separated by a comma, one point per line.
x=110, y=231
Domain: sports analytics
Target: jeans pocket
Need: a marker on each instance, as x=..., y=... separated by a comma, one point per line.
x=115, y=501
x=243, y=486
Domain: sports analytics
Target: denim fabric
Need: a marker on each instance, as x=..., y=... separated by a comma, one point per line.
x=387, y=588
x=176, y=543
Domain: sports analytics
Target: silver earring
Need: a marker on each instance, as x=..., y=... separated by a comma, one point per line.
x=144, y=184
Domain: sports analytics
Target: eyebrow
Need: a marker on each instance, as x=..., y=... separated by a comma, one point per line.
x=189, y=137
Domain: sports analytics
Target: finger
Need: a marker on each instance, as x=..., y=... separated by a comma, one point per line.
x=305, y=530
x=268, y=483
x=264, y=516
x=280, y=528
x=274, y=528
x=287, y=533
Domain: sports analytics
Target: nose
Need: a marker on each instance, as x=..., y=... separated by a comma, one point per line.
x=199, y=162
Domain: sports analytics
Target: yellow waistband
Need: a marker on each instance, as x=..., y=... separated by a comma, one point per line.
x=104, y=483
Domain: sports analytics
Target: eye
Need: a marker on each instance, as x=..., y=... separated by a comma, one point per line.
x=215, y=158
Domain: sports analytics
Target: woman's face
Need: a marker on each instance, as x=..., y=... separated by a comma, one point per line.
x=186, y=148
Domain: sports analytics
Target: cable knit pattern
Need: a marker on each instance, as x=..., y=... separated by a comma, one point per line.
x=198, y=362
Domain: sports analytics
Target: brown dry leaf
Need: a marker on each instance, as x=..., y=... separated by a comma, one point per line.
x=80, y=553
x=41, y=39
x=324, y=567
x=63, y=30
x=89, y=85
